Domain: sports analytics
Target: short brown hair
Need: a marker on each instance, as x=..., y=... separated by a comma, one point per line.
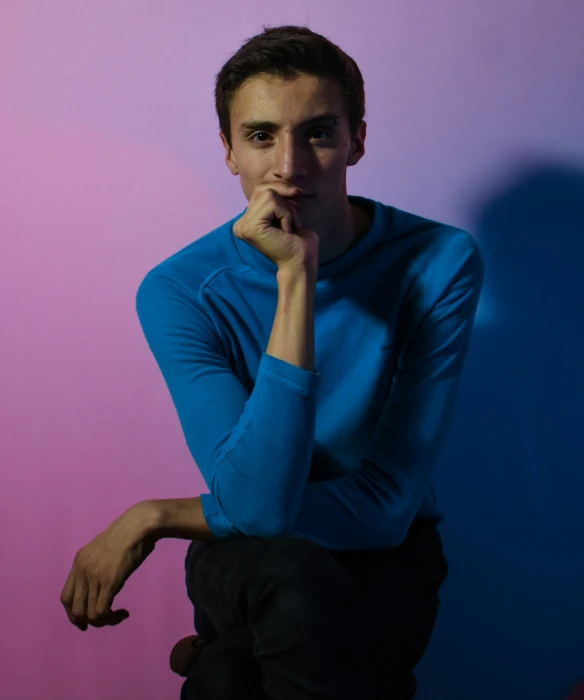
x=285, y=52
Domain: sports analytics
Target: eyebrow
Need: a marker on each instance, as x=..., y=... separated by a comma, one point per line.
x=270, y=126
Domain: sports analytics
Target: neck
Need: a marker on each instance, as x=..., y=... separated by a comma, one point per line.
x=341, y=233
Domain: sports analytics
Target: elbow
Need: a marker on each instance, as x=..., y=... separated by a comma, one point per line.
x=399, y=531
x=267, y=525
x=253, y=515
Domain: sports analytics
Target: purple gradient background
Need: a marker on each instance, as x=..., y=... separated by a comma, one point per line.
x=111, y=161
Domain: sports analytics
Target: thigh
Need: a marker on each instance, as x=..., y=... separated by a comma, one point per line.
x=227, y=578
x=397, y=599
x=210, y=567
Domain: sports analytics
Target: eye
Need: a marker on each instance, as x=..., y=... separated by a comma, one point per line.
x=322, y=131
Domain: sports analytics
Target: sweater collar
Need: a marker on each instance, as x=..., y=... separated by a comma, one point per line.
x=263, y=266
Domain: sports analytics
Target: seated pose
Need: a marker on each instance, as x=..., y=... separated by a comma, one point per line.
x=313, y=347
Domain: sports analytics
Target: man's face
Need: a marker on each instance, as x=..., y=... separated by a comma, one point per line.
x=313, y=157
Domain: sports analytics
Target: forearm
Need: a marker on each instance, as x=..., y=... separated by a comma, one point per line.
x=180, y=518
x=292, y=336
x=291, y=340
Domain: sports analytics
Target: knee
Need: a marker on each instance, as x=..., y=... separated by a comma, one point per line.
x=301, y=579
x=223, y=670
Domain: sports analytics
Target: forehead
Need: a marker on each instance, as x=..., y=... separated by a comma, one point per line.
x=273, y=98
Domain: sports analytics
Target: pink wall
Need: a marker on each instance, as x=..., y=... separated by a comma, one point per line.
x=111, y=161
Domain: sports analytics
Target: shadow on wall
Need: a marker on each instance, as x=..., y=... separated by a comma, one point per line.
x=511, y=477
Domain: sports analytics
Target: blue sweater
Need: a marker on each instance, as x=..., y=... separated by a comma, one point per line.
x=344, y=455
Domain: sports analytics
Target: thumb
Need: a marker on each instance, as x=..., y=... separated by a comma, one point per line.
x=118, y=616
x=296, y=219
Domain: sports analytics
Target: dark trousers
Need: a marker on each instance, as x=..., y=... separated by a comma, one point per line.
x=290, y=620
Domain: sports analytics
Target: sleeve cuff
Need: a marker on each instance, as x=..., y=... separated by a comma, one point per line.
x=219, y=525
x=303, y=380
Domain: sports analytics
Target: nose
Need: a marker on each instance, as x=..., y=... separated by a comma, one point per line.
x=291, y=155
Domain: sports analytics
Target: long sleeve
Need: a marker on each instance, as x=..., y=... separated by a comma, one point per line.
x=253, y=449
x=374, y=506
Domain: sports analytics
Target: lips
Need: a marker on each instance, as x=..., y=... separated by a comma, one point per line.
x=295, y=193
x=299, y=198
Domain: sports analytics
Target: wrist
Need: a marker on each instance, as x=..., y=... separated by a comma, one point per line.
x=149, y=516
x=293, y=271
x=180, y=518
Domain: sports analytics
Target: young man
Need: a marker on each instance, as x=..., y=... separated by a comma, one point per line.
x=313, y=347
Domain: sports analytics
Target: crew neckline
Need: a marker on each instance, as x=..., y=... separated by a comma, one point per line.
x=261, y=264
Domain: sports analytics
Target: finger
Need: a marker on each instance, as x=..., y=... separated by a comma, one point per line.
x=105, y=601
x=277, y=188
x=93, y=618
x=295, y=223
x=104, y=606
x=276, y=205
x=79, y=606
x=286, y=220
x=68, y=590
x=283, y=212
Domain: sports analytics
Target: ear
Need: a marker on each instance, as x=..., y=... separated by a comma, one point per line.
x=229, y=158
x=358, y=146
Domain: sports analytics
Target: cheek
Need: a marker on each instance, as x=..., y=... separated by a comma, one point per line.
x=249, y=182
x=251, y=175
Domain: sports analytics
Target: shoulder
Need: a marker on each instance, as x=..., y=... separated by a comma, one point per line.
x=195, y=265
x=435, y=250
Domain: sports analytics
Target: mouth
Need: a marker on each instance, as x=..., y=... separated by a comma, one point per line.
x=300, y=199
